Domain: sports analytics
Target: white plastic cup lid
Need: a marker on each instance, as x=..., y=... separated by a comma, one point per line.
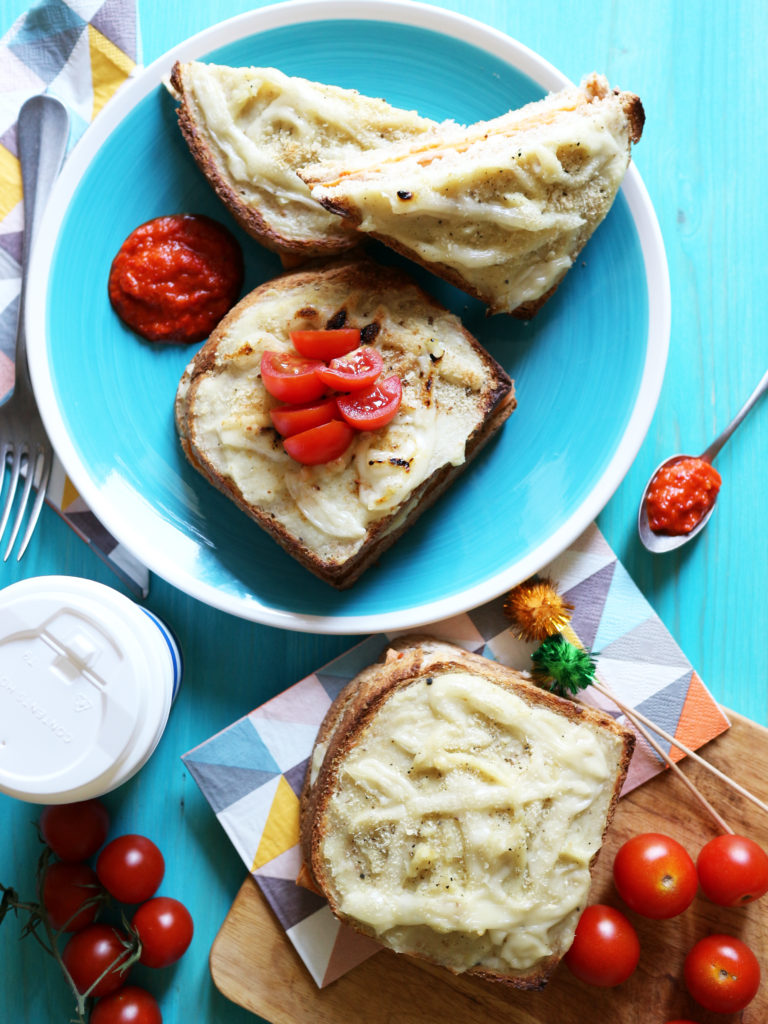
x=86, y=682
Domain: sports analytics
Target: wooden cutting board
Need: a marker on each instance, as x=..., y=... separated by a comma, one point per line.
x=254, y=964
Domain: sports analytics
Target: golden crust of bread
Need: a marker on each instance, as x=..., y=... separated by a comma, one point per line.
x=354, y=276
x=356, y=706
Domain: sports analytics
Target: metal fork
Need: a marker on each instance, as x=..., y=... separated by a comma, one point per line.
x=25, y=450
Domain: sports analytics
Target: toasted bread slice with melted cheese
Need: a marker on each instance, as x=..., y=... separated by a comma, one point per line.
x=250, y=129
x=454, y=811
x=337, y=518
x=500, y=209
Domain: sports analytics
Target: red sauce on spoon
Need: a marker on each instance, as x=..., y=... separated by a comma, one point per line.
x=680, y=495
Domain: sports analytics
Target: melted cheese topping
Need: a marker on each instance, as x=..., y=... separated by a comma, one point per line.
x=464, y=820
x=262, y=125
x=506, y=204
x=332, y=507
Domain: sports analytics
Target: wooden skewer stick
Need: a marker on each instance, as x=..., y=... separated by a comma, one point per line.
x=630, y=712
x=676, y=768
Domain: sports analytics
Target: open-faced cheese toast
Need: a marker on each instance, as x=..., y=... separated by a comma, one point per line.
x=336, y=518
x=454, y=811
x=502, y=208
x=251, y=129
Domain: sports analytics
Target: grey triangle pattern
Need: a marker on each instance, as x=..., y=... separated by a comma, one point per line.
x=225, y=784
x=336, y=674
x=588, y=599
x=295, y=776
x=8, y=319
x=291, y=903
x=665, y=707
x=11, y=243
x=489, y=619
x=112, y=22
x=46, y=57
x=648, y=643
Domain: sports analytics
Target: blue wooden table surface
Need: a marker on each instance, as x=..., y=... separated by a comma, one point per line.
x=699, y=69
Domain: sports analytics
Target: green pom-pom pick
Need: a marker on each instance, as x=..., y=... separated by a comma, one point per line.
x=563, y=667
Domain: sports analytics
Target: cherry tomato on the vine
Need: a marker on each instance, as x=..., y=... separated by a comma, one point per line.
x=320, y=444
x=131, y=868
x=357, y=370
x=90, y=953
x=372, y=407
x=732, y=870
x=722, y=974
x=655, y=876
x=291, y=378
x=165, y=928
x=328, y=344
x=74, y=831
x=129, y=1005
x=66, y=888
x=605, y=949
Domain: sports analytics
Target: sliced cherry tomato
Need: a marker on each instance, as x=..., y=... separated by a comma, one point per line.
x=67, y=887
x=372, y=407
x=328, y=344
x=732, y=870
x=605, y=949
x=655, y=876
x=357, y=370
x=130, y=1005
x=75, y=831
x=89, y=954
x=722, y=974
x=292, y=419
x=165, y=928
x=131, y=868
x=320, y=444
x=291, y=378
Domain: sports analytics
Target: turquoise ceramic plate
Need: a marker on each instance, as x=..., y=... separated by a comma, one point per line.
x=588, y=369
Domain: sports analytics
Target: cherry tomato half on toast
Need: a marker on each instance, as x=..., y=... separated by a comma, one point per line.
x=89, y=954
x=722, y=974
x=372, y=407
x=605, y=949
x=292, y=419
x=75, y=831
x=655, y=876
x=320, y=444
x=359, y=369
x=129, y=1005
x=131, y=868
x=328, y=344
x=732, y=870
x=165, y=928
x=291, y=378
x=67, y=888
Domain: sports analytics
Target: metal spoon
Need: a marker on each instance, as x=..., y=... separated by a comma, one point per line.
x=659, y=542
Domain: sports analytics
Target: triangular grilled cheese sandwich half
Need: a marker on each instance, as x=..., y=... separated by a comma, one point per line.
x=500, y=209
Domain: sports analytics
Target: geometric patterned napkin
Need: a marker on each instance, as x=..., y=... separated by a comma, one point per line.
x=82, y=52
x=252, y=772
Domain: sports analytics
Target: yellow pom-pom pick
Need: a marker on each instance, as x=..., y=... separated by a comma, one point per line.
x=537, y=609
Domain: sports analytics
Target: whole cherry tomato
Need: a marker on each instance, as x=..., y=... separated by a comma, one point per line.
x=291, y=378
x=129, y=1005
x=90, y=953
x=320, y=444
x=372, y=407
x=605, y=949
x=329, y=344
x=75, y=831
x=733, y=870
x=65, y=889
x=131, y=868
x=165, y=928
x=358, y=369
x=655, y=876
x=722, y=974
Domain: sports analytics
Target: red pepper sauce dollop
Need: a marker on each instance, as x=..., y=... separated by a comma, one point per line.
x=680, y=495
x=175, y=277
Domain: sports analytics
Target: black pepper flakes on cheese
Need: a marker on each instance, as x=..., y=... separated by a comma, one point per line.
x=404, y=194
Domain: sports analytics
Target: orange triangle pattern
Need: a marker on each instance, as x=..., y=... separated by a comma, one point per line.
x=281, y=830
x=701, y=719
